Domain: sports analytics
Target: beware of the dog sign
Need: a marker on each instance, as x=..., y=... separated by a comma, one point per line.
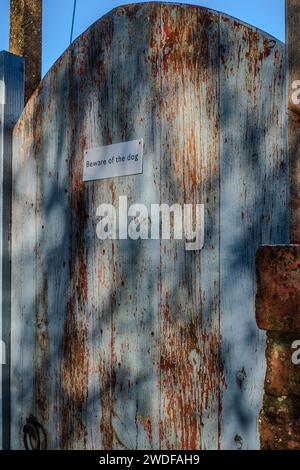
x=113, y=160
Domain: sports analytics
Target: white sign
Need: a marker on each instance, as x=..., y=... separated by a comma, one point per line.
x=2, y=353
x=113, y=160
x=2, y=92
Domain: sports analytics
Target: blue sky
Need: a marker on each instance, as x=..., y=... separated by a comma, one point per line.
x=57, y=15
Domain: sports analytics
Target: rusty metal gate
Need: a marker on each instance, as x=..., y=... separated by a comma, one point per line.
x=141, y=344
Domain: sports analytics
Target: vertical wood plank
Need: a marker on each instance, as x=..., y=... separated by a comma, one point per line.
x=135, y=336
x=254, y=210
x=189, y=281
x=24, y=233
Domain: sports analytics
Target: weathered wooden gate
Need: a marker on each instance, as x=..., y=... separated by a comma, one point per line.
x=141, y=344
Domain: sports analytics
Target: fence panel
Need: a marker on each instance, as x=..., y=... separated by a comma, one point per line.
x=142, y=344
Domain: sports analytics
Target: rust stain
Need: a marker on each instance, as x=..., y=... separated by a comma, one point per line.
x=42, y=359
x=146, y=422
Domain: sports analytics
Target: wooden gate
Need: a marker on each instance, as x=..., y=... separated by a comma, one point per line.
x=141, y=344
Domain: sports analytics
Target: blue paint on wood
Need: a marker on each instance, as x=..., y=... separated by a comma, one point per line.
x=142, y=344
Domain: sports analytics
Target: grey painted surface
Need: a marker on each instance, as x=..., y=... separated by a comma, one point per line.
x=140, y=344
x=11, y=106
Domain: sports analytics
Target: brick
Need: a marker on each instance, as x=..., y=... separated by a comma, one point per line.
x=277, y=437
x=282, y=410
x=279, y=423
x=26, y=39
x=278, y=288
x=283, y=377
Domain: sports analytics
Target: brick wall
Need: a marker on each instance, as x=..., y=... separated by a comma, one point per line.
x=26, y=39
x=278, y=313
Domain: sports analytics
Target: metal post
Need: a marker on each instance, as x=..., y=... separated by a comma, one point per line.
x=11, y=106
x=293, y=60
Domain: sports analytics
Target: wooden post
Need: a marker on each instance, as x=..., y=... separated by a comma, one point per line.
x=11, y=106
x=26, y=39
x=293, y=48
